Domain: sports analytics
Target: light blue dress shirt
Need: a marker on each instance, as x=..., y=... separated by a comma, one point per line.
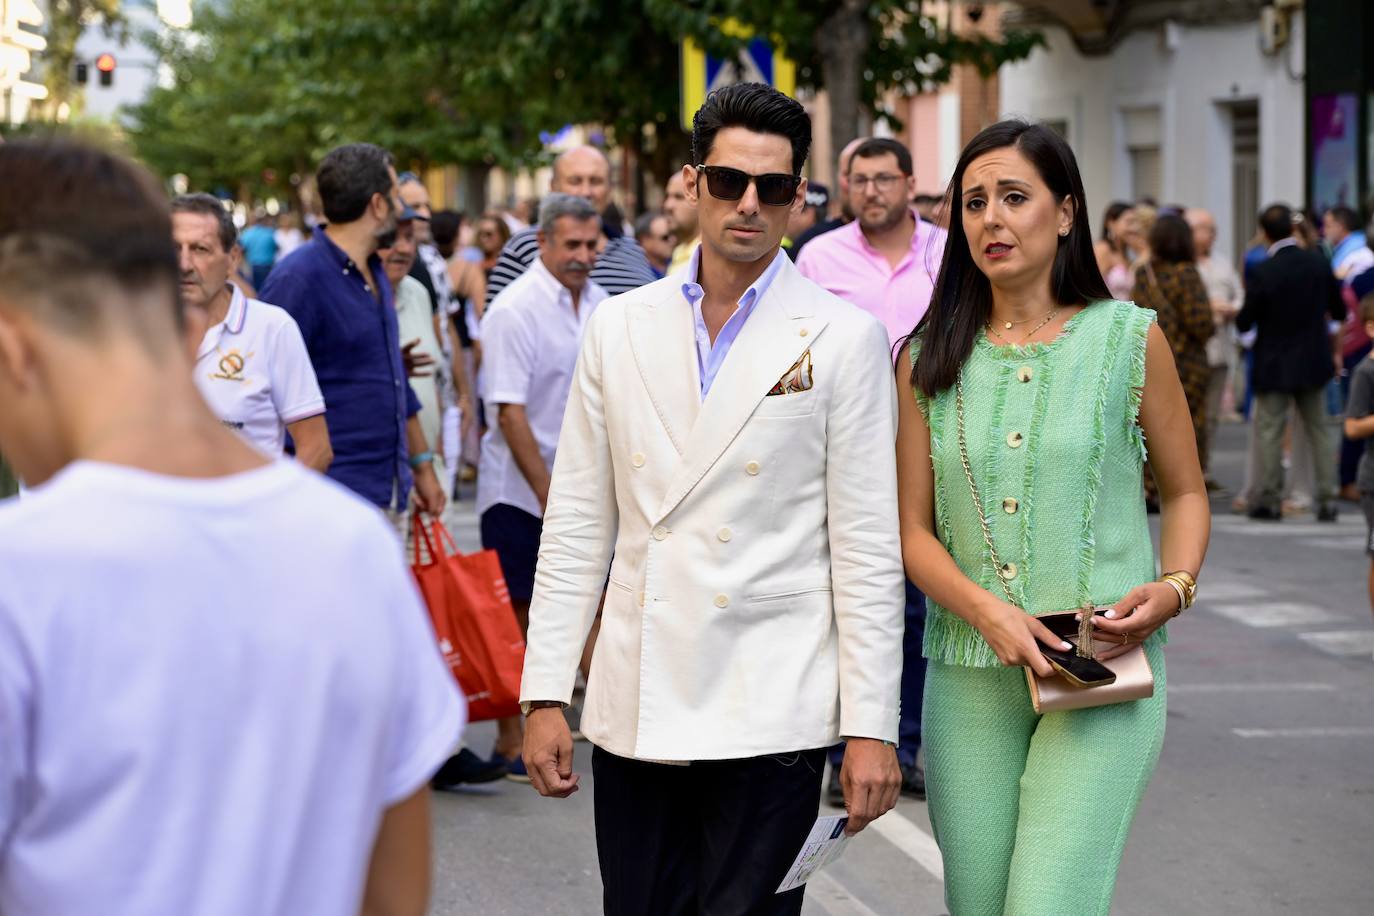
x=710, y=357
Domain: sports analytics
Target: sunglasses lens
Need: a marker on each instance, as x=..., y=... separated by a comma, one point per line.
x=776, y=190
x=726, y=184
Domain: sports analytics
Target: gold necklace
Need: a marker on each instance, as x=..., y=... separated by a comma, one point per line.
x=1047, y=319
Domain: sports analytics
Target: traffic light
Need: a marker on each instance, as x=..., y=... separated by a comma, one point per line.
x=105, y=63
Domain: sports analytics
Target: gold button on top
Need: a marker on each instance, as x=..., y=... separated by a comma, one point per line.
x=660, y=533
x=724, y=534
x=637, y=459
x=722, y=601
x=1015, y=439
x=1008, y=571
x=1010, y=505
x=1024, y=374
x=752, y=469
x=804, y=332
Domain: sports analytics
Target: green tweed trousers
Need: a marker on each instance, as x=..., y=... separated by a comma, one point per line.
x=1031, y=812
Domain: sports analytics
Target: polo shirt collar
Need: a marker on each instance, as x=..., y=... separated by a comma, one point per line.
x=340, y=256
x=550, y=285
x=233, y=322
x=916, y=235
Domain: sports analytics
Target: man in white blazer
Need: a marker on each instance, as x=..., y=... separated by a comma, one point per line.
x=727, y=452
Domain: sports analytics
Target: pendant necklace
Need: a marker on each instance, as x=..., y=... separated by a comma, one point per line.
x=1009, y=324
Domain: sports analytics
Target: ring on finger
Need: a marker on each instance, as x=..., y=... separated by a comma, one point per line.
x=1125, y=639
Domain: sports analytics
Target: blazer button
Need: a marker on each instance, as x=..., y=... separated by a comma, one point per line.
x=1024, y=374
x=637, y=459
x=1010, y=505
x=722, y=601
x=724, y=534
x=660, y=533
x=752, y=469
x=803, y=332
x=1015, y=439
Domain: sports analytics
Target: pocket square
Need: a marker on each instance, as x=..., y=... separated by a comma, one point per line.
x=797, y=378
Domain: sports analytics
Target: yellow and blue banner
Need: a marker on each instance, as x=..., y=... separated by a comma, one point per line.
x=760, y=61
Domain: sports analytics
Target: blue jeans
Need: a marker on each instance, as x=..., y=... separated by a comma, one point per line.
x=913, y=682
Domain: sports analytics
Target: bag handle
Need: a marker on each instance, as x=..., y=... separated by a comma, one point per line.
x=1085, y=647
x=436, y=537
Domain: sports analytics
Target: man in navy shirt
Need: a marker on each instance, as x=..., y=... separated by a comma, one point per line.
x=335, y=289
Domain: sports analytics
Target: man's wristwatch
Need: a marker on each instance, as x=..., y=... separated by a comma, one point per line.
x=529, y=706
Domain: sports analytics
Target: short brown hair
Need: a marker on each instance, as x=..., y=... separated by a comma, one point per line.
x=75, y=223
x=209, y=205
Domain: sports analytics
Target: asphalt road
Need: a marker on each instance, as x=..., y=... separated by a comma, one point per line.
x=1263, y=801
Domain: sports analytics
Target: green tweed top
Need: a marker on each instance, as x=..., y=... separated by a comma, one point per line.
x=1057, y=454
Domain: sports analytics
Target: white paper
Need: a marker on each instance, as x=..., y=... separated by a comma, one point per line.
x=823, y=846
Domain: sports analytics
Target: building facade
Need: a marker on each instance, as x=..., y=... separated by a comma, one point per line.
x=1198, y=104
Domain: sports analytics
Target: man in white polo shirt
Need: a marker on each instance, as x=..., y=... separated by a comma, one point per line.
x=530, y=339
x=252, y=367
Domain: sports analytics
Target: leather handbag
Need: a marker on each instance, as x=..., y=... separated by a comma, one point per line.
x=1134, y=680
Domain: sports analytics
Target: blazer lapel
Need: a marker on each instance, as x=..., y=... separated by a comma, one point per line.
x=780, y=329
x=662, y=340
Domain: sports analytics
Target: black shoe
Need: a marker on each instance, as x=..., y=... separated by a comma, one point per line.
x=834, y=792
x=465, y=767
x=1264, y=514
x=1327, y=512
x=913, y=781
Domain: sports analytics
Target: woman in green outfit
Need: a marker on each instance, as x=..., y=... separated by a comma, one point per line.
x=1055, y=394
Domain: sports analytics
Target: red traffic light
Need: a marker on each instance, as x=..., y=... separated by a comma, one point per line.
x=105, y=63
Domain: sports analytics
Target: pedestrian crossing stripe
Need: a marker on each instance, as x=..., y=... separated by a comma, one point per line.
x=759, y=61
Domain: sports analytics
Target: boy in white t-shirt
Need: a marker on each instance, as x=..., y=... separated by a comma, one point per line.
x=219, y=691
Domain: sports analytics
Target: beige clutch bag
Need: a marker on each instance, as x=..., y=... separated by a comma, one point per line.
x=1134, y=679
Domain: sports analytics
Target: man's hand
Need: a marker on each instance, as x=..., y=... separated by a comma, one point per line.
x=871, y=778
x=429, y=493
x=549, y=753
x=414, y=363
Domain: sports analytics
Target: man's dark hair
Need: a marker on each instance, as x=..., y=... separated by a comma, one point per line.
x=644, y=226
x=348, y=177
x=209, y=205
x=756, y=107
x=1171, y=240
x=77, y=223
x=444, y=226
x=1346, y=217
x=1276, y=222
x=874, y=147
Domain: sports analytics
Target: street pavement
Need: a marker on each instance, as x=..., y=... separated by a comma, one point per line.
x=1263, y=801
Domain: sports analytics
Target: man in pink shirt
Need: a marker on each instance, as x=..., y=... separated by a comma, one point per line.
x=886, y=260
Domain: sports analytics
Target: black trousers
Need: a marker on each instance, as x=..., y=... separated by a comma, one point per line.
x=711, y=839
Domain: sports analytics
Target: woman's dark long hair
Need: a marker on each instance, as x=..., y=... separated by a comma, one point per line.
x=962, y=301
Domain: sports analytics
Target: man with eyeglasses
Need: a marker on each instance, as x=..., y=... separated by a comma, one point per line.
x=726, y=451
x=885, y=262
x=657, y=239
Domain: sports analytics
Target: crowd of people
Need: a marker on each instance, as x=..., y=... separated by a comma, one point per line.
x=775, y=478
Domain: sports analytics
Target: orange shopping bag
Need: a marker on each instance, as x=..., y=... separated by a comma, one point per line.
x=473, y=620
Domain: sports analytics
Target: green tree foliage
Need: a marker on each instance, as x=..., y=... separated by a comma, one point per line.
x=264, y=87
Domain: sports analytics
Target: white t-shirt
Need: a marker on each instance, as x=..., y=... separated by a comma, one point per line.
x=210, y=692
x=253, y=370
x=530, y=341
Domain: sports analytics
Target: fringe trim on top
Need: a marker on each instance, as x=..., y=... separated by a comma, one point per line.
x=1087, y=547
x=1139, y=338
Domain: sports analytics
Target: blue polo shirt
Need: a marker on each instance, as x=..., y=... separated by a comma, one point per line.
x=355, y=347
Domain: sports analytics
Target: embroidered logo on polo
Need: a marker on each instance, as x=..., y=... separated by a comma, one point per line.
x=231, y=366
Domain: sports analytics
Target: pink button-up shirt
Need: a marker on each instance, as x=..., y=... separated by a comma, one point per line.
x=843, y=262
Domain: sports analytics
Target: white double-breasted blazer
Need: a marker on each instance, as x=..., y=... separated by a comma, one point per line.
x=755, y=601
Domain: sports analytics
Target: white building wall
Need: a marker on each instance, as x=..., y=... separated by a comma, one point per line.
x=1190, y=85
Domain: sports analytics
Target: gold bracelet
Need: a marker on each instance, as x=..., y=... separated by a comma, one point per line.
x=1182, y=600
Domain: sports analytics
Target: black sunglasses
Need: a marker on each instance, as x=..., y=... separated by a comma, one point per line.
x=774, y=189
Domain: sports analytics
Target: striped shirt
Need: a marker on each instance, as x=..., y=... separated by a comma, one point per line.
x=619, y=268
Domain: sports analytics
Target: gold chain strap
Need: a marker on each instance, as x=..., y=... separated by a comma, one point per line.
x=973, y=487
x=1085, y=647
